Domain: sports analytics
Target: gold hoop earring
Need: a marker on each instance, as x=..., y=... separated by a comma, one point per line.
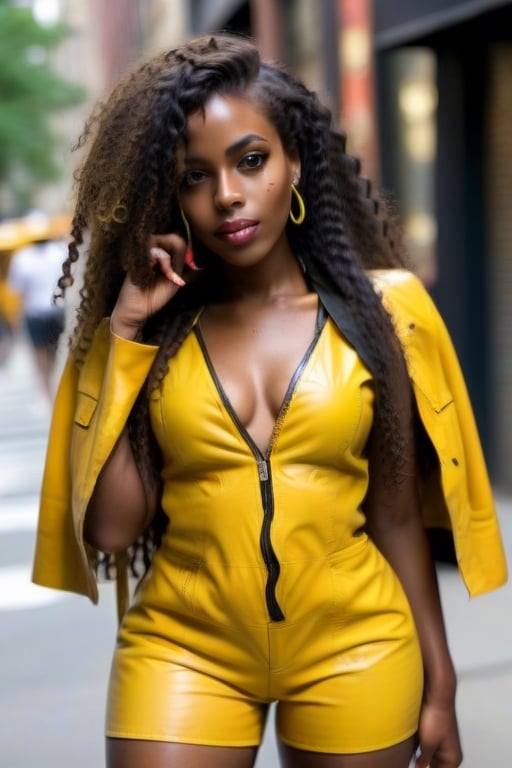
x=187, y=229
x=189, y=253
x=297, y=220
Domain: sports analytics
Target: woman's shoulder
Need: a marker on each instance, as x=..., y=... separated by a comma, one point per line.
x=404, y=295
x=418, y=325
x=396, y=281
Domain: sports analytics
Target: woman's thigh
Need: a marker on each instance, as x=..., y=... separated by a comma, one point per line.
x=133, y=753
x=372, y=705
x=397, y=756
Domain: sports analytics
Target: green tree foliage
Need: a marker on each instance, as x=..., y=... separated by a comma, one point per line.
x=31, y=93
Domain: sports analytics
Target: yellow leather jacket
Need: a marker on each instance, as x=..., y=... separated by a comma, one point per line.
x=92, y=405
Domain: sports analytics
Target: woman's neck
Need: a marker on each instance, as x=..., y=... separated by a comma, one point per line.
x=264, y=281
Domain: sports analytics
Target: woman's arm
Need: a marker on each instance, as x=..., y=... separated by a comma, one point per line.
x=121, y=506
x=394, y=523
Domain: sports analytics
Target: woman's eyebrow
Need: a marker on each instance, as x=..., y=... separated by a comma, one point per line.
x=237, y=146
x=243, y=142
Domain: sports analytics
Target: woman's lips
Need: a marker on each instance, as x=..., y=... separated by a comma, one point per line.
x=238, y=232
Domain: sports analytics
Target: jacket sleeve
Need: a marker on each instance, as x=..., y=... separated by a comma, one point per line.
x=457, y=495
x=478, y=539
x=91, y=408
x=57, y=560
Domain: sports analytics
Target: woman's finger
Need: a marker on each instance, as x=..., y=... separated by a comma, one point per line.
x=170, y=242
x=162, y=260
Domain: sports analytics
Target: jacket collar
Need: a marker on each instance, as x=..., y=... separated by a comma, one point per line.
x=344, y=320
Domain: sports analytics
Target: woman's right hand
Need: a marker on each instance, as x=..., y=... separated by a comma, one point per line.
x=135, y=305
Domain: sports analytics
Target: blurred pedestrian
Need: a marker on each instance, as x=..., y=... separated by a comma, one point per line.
x=33, y=275
x=259, y=398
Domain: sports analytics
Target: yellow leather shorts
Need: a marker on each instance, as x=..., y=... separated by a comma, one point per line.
x=345, y=669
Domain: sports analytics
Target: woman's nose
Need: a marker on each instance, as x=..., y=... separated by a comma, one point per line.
x=228, y=191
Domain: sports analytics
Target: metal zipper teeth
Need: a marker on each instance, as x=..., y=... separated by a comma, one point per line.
x=264, y=472
x=267, y=550
x=267, y=497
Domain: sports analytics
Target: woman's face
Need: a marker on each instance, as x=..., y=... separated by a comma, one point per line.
x=235, y=181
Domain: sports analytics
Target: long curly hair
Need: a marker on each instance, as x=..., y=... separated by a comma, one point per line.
x=127, y=191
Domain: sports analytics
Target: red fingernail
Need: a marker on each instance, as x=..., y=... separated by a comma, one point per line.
x=189, y=259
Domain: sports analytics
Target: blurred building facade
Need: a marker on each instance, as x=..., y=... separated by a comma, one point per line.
x=423, y=89
x=462, y=52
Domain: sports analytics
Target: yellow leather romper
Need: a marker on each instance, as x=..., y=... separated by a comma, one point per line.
x=335, y=652
x=264, y=588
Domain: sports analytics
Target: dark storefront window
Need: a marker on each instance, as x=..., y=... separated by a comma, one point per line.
x=409, y=151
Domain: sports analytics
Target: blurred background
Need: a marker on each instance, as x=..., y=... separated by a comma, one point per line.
x=424, y=90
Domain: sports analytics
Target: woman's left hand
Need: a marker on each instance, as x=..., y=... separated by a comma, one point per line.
x=439, y=739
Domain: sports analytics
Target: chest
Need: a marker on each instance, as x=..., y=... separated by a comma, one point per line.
x=327, y=406
x=255, y=356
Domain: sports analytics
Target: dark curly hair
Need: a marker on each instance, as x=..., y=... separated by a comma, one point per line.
x=127, y=190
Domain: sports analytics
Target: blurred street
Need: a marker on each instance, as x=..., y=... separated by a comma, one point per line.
x=56, y=648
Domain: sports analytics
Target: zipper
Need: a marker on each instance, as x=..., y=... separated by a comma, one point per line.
x=264, y=465
x=267, y=550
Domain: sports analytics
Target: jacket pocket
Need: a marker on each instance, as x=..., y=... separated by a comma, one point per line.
x=85, y=407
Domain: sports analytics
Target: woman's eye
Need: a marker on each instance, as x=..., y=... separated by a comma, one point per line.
x=192, y=178
x=254, y=160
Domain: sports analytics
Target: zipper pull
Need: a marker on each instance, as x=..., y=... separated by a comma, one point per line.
x=263, y=470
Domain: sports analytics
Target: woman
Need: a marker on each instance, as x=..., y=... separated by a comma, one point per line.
x=241, y=413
